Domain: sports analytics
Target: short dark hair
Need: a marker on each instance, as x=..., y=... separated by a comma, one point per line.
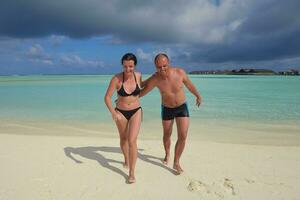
x=129, y=56
x=160, y=54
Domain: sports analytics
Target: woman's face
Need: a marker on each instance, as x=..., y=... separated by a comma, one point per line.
x=128, y=66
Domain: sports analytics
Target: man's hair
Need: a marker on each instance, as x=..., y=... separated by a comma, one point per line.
x=129, y=56
x=159, y=55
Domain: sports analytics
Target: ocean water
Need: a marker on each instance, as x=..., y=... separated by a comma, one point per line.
x=227, y=100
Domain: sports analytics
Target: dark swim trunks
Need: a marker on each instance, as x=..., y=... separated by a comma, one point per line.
x=171, y=113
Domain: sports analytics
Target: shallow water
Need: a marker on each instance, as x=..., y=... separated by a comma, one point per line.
x=249, y=103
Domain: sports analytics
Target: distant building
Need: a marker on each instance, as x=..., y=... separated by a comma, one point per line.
x=291, y=72
x=236, y=72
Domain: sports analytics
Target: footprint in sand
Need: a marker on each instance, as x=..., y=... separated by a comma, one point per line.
x=198, y=186
x=216, y=189
x=229, y=186
x=249, y=181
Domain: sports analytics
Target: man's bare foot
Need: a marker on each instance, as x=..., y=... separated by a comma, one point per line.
x=131, y=179
x=177, y=168
x=166, y=160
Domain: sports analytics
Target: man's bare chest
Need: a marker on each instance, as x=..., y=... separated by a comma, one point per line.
x=170, y=85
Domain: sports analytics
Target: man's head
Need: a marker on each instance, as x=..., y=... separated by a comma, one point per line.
x=161, y=61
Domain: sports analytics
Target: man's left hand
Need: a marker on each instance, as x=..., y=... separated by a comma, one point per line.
x=198, y=101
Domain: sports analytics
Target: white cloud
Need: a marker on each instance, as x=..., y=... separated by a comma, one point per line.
x=75, y=60
x=147, y=57
x=36, y=53
x=56, y=40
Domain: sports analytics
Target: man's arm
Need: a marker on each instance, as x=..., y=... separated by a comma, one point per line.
x=191, y=87
x=144, y=83
x=148, y=85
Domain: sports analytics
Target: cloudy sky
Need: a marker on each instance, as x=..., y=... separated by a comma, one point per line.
x=90, y=36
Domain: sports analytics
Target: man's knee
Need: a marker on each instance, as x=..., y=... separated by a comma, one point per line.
x=168, y=132
x=166, y=139
x=167, y=135
x=182, y=137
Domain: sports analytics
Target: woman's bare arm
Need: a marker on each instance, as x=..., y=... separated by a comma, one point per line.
x=109, y=92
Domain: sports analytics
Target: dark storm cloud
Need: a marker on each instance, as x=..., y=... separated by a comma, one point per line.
x=156, y=21
x=211, y=30
x=269, y=31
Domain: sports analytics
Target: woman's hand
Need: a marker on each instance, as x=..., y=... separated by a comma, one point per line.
x=116, y=116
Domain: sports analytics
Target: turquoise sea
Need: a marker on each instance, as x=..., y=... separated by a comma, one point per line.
x=246, y=102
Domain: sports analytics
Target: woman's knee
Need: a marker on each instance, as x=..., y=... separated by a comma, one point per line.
x=123, y=139
x=132, y=142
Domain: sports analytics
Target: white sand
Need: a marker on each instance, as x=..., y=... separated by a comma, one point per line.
x=75, y=167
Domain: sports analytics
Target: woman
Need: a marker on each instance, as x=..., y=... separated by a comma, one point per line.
x=128, y=112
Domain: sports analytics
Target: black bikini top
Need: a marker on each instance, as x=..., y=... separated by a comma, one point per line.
x=122, y=91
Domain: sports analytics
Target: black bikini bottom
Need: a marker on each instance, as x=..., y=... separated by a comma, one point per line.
x=128, y=113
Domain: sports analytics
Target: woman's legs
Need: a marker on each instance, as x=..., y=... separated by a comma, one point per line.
x=122, y=125
x=133, y=130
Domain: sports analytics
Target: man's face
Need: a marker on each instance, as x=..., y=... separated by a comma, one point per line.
x=162, y=65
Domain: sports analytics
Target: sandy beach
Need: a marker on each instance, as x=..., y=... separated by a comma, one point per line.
x=90, y=167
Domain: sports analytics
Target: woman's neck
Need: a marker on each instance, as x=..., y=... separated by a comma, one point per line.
x=128, y=75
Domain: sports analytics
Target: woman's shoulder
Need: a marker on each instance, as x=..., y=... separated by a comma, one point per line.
x=138, y=74
x=117, y=77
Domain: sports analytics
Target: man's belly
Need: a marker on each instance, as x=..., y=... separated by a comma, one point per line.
x=173, y=100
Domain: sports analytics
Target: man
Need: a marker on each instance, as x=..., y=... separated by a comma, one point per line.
x=170, y=80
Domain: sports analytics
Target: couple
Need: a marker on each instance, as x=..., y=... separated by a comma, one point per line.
x=128, y=111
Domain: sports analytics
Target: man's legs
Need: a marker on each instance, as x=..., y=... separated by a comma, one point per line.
x=182, y=130
x=167, y=126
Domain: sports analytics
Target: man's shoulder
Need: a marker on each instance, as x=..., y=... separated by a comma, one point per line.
x=154, y=75
x=153, y=78
x=179, y=70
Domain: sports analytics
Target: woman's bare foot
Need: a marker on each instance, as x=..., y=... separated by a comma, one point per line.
x=166, y=160
x=125, y=165
x=131, y=179
x=177, y=168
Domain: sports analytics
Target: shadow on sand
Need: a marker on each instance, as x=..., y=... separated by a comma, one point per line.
x=94, y=153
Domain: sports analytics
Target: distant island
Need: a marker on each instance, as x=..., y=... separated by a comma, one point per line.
x=242, y=71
